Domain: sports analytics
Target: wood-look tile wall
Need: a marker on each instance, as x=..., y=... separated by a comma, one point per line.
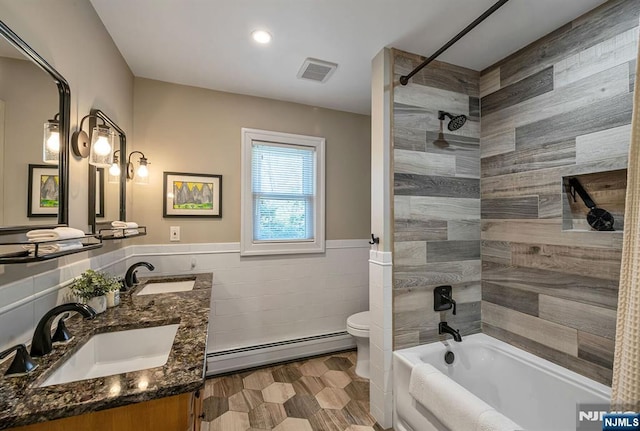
x=436, y=200
x=559, y=107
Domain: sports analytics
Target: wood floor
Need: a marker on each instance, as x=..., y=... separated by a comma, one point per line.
x=318, y=394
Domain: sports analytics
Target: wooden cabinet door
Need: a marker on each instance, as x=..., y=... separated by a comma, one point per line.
x=164, y=414
x=196, y=410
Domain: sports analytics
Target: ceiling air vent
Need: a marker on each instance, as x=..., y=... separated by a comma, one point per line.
x=316, y=70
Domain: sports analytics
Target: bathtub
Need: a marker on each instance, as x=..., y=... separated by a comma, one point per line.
x=533, y=392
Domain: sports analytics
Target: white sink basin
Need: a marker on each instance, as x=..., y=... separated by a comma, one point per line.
x=154, y=287
x=118, y=352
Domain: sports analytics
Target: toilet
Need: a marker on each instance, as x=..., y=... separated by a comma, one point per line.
x=358, y=327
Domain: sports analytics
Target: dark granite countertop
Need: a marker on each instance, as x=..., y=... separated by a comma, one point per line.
x=22, y=402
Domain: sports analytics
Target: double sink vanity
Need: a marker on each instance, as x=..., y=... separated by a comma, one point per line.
x=138, y=366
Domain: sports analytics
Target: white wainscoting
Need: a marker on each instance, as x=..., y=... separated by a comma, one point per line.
x=256, y=300
x=266, y=299
x=381, y=340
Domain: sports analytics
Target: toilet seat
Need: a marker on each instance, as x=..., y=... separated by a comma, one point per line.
x=358, y=324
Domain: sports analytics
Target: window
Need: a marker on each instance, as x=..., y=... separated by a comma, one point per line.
x=282, y=193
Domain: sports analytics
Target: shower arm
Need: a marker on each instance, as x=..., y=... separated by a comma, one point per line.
x=443, y=115
x=404, y=80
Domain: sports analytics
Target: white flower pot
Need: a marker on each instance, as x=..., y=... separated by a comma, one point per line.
x=98, y=303
x=113, y=298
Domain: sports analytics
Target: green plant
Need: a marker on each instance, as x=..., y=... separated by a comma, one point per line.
x=94, y=283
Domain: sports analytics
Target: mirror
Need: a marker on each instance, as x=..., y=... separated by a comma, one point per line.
x=32, y=193
x=107, y=194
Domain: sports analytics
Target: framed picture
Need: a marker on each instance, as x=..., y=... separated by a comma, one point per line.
x=99, y=192
x=192, y=195
x=43, y=191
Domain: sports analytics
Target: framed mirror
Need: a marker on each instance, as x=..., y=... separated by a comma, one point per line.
x=107, y=192
x=34, y=133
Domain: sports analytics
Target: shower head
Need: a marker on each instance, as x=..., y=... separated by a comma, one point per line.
x=456, y=121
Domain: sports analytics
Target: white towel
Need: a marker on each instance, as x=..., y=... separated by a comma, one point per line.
x=117, y=233
x=128, y=232
x=55, y=247
x=450, y=403
x=493, y=420
x=124, y=224
x=40, y=235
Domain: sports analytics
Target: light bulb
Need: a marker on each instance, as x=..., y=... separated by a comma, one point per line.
x=143, y=171
x=114, y=170
x=53, y=143
x=102, y=146
x=261, y=36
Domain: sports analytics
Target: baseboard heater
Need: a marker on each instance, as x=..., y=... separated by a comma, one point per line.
x=241, y=358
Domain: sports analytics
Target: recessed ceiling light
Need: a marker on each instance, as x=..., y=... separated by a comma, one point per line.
x=261, y=36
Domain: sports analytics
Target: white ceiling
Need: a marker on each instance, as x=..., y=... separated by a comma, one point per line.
x=206, y=43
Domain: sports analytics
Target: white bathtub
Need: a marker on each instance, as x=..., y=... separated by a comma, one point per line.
x=533, y=392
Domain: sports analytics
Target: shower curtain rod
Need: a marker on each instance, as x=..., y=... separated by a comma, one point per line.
x=404, y=80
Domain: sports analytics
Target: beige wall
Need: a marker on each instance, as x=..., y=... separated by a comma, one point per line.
x=31, y=98
x=71, y=37
x=188, y=129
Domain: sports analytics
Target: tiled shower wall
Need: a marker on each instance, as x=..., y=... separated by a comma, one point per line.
x=436, y=199
x=559, y=107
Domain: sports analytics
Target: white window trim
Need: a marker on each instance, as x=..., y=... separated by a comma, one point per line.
x=247, y=246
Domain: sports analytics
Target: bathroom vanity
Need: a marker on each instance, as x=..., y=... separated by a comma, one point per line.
x=164, y=397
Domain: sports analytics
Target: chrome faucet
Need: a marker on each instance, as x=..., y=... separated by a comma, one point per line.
x=444, y=328
x=41, y=343
x=130, y=278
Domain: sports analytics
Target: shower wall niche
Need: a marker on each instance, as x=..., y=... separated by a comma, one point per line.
x=606, y=189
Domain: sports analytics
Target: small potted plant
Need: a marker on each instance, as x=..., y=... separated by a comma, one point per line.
x=92, y=288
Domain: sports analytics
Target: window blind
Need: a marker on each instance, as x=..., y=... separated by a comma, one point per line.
x=283, y=188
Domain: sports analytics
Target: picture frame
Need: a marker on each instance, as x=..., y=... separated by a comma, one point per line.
x=43, y=191
x=100, y=192
x=192, y=195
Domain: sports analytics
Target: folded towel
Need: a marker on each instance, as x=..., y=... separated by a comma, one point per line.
x=124, y=224
x=55, y=247
x=450, y=403
x=40, y=235
x=118, y=233
x=493, y=420
x=69, y=245
x=128, y=232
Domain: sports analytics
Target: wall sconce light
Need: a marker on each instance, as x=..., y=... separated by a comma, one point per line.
x=140, y=175
x=100, y=151
x=51, y=141
x=103, y=141
x=114, y=170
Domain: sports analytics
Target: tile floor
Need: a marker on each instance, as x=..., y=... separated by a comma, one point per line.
x=318, y=394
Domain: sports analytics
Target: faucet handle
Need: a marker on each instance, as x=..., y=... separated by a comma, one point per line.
x=62, y=334
x=442, y=299
x=451, y=301
x=22, y=362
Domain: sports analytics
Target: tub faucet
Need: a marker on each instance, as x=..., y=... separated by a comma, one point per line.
x=444, y=328
x=41, y=342
x=130, y=278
